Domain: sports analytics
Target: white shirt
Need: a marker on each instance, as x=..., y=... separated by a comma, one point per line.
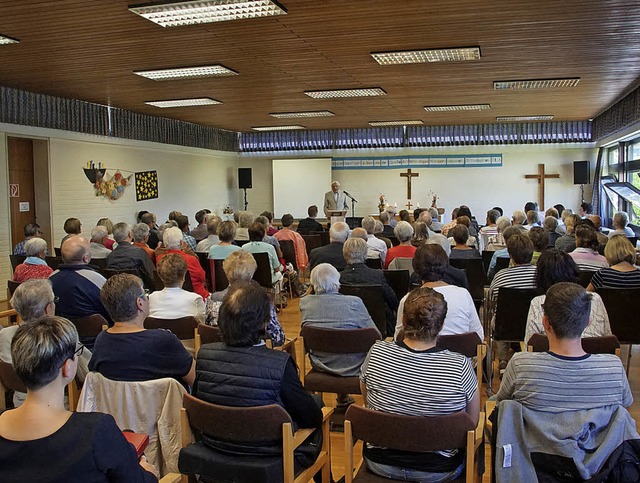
x=173, y=303
x=378, y=245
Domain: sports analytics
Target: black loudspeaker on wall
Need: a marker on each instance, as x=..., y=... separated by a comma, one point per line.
x=244, y=178
x=581, y=173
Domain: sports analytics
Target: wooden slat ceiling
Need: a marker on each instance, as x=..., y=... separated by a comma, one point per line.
x=88, y=49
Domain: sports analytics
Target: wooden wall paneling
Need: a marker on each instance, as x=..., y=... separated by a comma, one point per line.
x=20, y=155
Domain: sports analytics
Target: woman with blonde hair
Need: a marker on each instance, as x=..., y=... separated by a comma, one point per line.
x=623, y=273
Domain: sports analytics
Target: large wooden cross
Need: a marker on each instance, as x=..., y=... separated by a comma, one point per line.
x=541, y=176
x=409, y=175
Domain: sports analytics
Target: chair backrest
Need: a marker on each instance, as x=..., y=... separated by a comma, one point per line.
x=512, y=309
x=219, y=277
x=409, y=433
x=183, y=328
x=338, y=341
x=584, y=277
x=312, y=241
x=398, y=280
x=402, y=263
x=89, y=325
x=10, y=379
x=57, y=251
x=394, y=241
x=255, y=424
x=264, y=270
x=209, y=334
x=633, y=240
x=373, y=300
x=374, y=263
x=99, y=263
x=203, y=258
x=502, y=262
x=465, y=344
x=289, y=253
x=188, y=284
x=476, y=275
x=623, y=316
x=591, y=345
x=486, y=259
x=240, y=242
x=325, y=239
x=12, y=285
x=110, y=272
x=16, y=260
x=54, y=262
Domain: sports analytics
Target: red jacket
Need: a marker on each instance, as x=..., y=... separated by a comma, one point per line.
x=196, y=272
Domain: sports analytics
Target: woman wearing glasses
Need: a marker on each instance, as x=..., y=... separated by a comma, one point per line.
x=43, y=442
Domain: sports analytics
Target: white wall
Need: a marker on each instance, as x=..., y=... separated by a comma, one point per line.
x=479, y=188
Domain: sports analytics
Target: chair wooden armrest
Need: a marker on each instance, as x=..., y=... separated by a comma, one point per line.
x=523, y=346
x=171, y=478
x=326, y=413
x=480, y=356
x=8, y=313
x=489, y=407
x=474, y=439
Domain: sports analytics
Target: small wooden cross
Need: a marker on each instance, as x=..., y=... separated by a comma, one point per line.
x=408, y=205
x=409, y=175
x=541, y=176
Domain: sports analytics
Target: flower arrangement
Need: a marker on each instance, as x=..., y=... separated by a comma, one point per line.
x=383, y=203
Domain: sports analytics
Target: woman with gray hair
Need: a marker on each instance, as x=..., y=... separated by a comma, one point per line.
x=34, y=265
x=41, y=440
x=620, y=222
x=403, y=232
x=245, y=219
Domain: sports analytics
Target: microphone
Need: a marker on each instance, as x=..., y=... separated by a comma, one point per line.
x=347, y=193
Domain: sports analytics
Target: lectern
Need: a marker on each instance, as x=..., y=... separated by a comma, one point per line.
x=336, y=216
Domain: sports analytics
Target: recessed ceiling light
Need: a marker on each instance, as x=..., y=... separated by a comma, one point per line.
x=277, y=128
x=292, y=115
x=523, y=118
x=4, y=40
x=186, y=72
x=174, y=14
x=424, y=56
x=536, y=83
x=200, y=101
x=395, y=123
x=363, y=92
x=463, y=107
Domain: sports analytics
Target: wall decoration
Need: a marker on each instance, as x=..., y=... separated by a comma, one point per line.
x=425, y=161
x=146, y=185
x=111, y=187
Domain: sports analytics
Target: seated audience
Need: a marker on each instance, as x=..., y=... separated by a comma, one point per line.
x=623, y=273
x=41, y=440
x=503, y=252
x=332, y=253
x=404, y=216
x=518, y=218
x=597, y=224
x=140, y=233
x=183, y=224
x=77, y=285
x=212, y=222
x=550, y=225
x=368, y=223
x=451, y=224
x=357, y=273
x=34, y=265
x=567, y=242
x=462, y=249
x=161, y=249
x=31, y=230
x=72, y=227
x=109, y=242
x=361, y=233
x=97, y=246
x=466, y=221
x=270, y=230
x=172, y=302
x=172, y=240
x=387, y=229
x=327, y=308
x=555, y=266
x=391, y=211
x=378, y=230
x=436, y=226
x=415, y=378
x=226, y=233
x=299, y=246
x=489, y=230
x=270, y=239
x=586, y=253
x=310, y=224
x=434, y=237
x=533, y=219
x=126, y=256
x=420, y=234
x=430, y=263
x=540, y=239
x=404, y=233
x=200, y=232
x=239, y=267
x=585, y=209
x=150, y=220
x=242, y=371
x=464, y=210
x=256, y=245
x=129, y=352
x=620, y=224
x=245, y=219
x=497, y=242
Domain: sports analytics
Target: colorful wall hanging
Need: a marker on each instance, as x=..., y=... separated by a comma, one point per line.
x=146, y=185
x=109, y=186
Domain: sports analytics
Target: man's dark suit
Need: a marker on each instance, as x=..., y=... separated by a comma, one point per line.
x=308, y=225
x=387, y=230
x=128, y=256
x=331, y=253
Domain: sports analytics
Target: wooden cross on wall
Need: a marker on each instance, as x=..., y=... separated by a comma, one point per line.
x=409, y=175
x=541, y=176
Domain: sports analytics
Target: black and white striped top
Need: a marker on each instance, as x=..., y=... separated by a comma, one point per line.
x=520, y=276
x=608, y=277
x=401, y=380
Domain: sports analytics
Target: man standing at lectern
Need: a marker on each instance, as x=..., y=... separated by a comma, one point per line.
x=334, y=200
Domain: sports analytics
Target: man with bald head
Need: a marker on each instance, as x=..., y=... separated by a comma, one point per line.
x=434, y=237
x=77, y=285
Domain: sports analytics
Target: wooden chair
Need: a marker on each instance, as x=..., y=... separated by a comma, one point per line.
x=218, y=276
x=373, y=300
x=263, y=273
x=591, y=345
x=12, y=285
x=325, y=239
x=16, y=260
x=468, y=344
x=57, y=251
x=476, y=276
x=336, y=341
x=289, y=255
x=159, y=284
x=255, y=426
x=623, y=316
x=312, y=241
x=412, y=433
x=375, y=263
x=206, y=334
x=402, y=263
x=203, y=258
x=398, y=280
x=90, y=325
x=584, y=277
x=110, y=272
x=183, y=328
x=54, y=262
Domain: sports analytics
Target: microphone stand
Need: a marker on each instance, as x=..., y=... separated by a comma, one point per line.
x=353, y=201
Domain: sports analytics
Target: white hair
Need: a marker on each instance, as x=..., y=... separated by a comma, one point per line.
x=368, y=223
x=355, y=250
x=403, y=231
x=325, y=278
x=35, y=245
x=502, y=223
x=172, y=238
x=99, y=233
x=339, y=232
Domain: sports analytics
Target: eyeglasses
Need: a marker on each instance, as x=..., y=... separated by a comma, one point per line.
x=55, y=300
x=144, y=294
x=78, y=352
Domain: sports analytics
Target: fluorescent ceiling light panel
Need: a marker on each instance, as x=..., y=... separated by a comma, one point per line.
x=523, y=118
x=186, y=72
x=293, y=115
x=200, y=101
x=425, y=56
x=536, y=83
x=395, y=123
x=360, y=92
x=277, y=128
x=175, y=14
x=464, y=107
x=4, y=40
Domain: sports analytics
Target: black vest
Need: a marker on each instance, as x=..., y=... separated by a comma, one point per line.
x=239, y=376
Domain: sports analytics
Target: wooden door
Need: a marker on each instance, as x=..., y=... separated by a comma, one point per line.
x=21, y=186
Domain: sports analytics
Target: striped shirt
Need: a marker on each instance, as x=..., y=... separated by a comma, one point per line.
x=520, y=276
x=608, y=277
x=544, y=381
x=433, y=382
x=588, y=260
